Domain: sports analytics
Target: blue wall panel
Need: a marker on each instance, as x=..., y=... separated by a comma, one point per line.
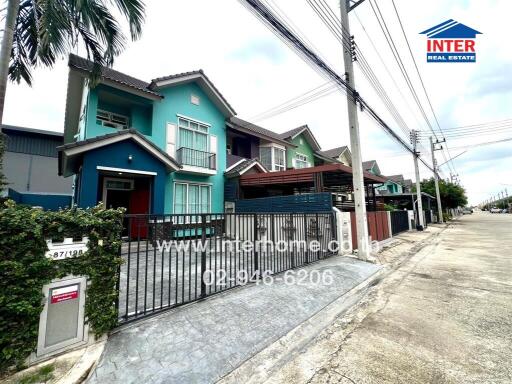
x=116, y=156
x=313, y=202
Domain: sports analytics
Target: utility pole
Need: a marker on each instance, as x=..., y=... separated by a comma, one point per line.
x=414, y=142
x=436, y=180
x=363, y=248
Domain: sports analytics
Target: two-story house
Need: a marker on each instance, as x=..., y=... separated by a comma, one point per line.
x=341, y=154
x=151, y=147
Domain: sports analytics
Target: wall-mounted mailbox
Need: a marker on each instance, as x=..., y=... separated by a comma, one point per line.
x=62, y=325
x=62, y=319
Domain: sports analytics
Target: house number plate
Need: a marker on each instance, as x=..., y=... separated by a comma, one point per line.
x=67, y=249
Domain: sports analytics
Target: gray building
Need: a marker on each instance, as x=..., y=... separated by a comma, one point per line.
x=30, y=166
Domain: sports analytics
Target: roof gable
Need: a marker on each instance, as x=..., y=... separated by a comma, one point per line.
x=69, y=152
x=451, y=29
x=372, y=167
x=306, y=132
x=202, y=80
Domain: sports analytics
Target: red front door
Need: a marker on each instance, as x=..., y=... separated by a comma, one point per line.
x=139, y=204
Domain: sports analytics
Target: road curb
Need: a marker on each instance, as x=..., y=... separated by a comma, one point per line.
x=259, y=367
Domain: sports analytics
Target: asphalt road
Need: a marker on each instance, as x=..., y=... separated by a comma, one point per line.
x=443, y=316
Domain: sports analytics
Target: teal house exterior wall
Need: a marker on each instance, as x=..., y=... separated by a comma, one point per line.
x=150, y=117
x=140, y=117
x=177, y=102
x=391, y=187
x=304, y=149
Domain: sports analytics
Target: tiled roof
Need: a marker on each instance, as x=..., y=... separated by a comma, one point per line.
x=80, y=63
x=124, y=132
x=199, y=72
x=334, y=152
x=367, y=165
x=302, y=129
x=292, y=132
x=239, y=168
x=269, y=135
x=396, y=178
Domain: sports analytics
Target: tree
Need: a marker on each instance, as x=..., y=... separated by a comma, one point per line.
x=37, y=32
x=452, y=195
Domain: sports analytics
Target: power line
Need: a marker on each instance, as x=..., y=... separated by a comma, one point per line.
x=331, y=21
x=279, y=28
x=421, y=81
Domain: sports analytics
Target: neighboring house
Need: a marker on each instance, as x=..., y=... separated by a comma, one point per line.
x=304, y=152
x=249, y=141
x=393, y=185
x=341, y=154
x=151, y=147
x=407, y=185
x=30, y=166
x=372, y=167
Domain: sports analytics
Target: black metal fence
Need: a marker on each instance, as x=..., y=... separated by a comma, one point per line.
x=399, y=221
x=428, y=218
x=196, y=158
x=170, y=260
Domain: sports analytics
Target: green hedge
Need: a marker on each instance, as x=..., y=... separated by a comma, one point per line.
x=24, y=270
x=3, y=180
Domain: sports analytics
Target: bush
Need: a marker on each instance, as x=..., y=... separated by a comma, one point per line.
x=24, y=270
x=3, y=180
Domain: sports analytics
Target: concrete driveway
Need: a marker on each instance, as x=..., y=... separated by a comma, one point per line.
x=203, y=341
x=444, y=316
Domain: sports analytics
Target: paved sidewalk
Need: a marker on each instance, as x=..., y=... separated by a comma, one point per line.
x=203, y=341
x=444, y=316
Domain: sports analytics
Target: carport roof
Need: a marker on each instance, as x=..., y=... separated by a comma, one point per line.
x=338, y=172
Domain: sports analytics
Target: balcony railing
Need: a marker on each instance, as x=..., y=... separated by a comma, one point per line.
x=196, y=158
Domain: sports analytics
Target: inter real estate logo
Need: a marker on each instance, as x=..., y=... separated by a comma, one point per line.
x=451, y=42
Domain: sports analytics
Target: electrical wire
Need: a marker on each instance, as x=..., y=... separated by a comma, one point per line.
x=279, y=28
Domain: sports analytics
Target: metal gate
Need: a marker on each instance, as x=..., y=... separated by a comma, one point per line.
x=399, y=221
x=170, y=260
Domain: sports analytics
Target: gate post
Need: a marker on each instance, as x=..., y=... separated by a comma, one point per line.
x=306, y=237
x=255, y=248
x=203, y=255
x=388, y=214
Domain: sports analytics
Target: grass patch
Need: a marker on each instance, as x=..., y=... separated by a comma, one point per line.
x=42, y=375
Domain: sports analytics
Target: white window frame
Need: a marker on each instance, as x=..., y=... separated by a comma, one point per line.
x=190, y=120
x=275, y=167
x=110, y=120
x=301, y=158
x=186, y=198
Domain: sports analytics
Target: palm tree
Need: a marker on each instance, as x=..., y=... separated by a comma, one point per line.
x=37, y=32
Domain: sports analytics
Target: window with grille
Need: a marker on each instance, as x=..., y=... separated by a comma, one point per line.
x=111, y=120
x=301, y=161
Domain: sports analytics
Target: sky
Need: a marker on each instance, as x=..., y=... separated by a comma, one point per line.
x=255, y=71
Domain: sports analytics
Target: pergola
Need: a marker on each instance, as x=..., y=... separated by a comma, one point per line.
x=335, y=178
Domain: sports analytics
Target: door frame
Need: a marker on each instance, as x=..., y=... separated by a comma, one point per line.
x=105, y=189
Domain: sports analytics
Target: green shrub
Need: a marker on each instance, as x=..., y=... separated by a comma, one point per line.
x=3, y=180
x=24, y=270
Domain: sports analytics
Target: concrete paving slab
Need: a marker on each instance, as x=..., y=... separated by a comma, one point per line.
x=204, y=341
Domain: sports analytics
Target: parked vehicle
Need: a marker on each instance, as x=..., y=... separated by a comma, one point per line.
x=467, y=211
x=504, y=211
x=495, y=210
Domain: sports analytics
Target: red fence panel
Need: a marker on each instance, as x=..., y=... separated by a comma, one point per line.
x=378, y=226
